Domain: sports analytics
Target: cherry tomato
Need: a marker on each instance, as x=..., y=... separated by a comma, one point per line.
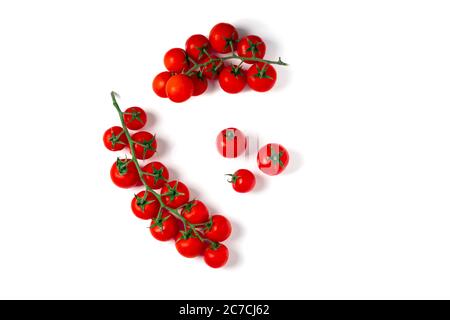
x=231, y=142
x=261, y=77
x=222, y=37
x=164, y=229
x=188, y=245
x=243, y=180
x=195, y=212
x=115, y=139
x=200, y=83
x=145, y=145
x=174, y=194
x=251, y=47
x=124, y=173
x=159, y=83
x=218, y=229
x=176, y=60
x=232, y=79
x=145, y=207
x=135, y=118
x=272, y=159
x=196, y=46
x=216, y=255
x=212, y=70
x=179, y=88
x=155, y=174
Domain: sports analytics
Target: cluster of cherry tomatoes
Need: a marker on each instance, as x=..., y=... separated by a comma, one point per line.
x=272, y=158
x=203, y=59
x=172, y=214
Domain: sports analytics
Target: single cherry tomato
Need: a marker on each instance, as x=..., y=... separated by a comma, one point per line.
x=179, y=88
x=218, y=229
x=145, y=145
x=200, y=83
x=223, y=37
x=176, y=60
x=216, y=255
x=231, y=142
x=135, y=118
x=165, y=228
x=272, y=159
x=261, y=77
x=232, y=79
x=115, y=139
x=197, y=46
x=159, y=83
x=155, y=175
x=124, y=173
x=242, y=180
x=174, y=194
x=195, y=212
x=251, y=47
x=188, y=245
x=211, y=70
x=144, y=206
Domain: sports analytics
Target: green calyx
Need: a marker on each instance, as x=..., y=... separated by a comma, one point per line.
x=122, y=166
x=232, y=178
x=214, y=245
x=188, y=206
x=262, y=72
x=253, y=47
x=229, y=134
x=141, y=202
x=157, y=174
x=115, y=139
x=236, y=70
x=173, y=192
x=148, y=145
x=158, y=222
x=276, y=157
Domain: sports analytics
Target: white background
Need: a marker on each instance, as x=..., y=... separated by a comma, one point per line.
x=363, y=210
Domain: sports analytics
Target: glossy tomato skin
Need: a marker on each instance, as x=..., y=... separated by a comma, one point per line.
x=165, y=229
x=213, y=69
x=191, y=247
x=261, y=77
x=135, y=118
x=216, y=256
x=176, y=60
x=220, y=36
x=145, y=207
x=174, y=194
x=231, y=143
x=159, y=175
x=179, y=88
x=232, y=79
x=159, y=83
x=124, y=173
x=272, y=159
x=196, y=45
x=195, y=212
x=200, y=83
x=251, y=47
x=146, y=145
x=243, y=181
x=219, y=230
x=115, y=139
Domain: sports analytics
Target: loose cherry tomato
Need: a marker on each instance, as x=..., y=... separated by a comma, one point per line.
x=232, y=79
x=216, y=255
x=115, y=139
x=195, y=212
x=231, y=142
x=135, y=118
x=200, y=83
x=218, y=229
x=251, y=47
x=165, y=228
x=124, y=173
x=159, y=83
x=145, y=207
x=223, y=37
x=176, y=60
x=261, y=77
x=155, y=174
x=174, y=194
x=212, y=70
x=179, y=88
x=196, y=46
x=188, y=245
x=272, y=159
x=243, y=180
x=145, y=145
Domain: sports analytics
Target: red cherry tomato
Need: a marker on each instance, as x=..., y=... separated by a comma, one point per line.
x=251, y=47
x=188, y=245
x=179, y=88
x=174, y=194
x=200, y=83
x=145, y=145
x=243, y=181
x=176, y=60
x=155, y=175
x=145, y=207
x=231, y=142
x=196, y=46
x=223, y=37
x=195, y=212
x=261, y=77
x=115, y=139
x=272, y=159
x=218, y=229
x=159, y=83
x=164, y=229
x=232, y=79
x=135, y=118
x=211, y=70
x=216, y=255
x=124, y=173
